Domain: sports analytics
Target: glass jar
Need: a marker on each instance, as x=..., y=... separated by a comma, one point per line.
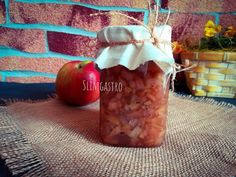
x=134, y=86
x=133, y=105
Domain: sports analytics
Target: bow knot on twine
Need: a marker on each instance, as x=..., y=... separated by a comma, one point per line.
x=153, y=16
x=151, y=27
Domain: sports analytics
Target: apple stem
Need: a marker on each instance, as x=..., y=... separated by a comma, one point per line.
x=82, y=64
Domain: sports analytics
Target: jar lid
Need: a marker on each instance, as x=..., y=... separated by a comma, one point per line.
x=132, y=46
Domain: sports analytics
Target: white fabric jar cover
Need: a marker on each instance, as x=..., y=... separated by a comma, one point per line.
x=133, y=54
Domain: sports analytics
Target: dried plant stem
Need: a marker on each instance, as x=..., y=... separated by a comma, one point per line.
x=121, y=14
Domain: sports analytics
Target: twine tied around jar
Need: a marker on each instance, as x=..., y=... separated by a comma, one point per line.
x=153, y=17
x=151, y=27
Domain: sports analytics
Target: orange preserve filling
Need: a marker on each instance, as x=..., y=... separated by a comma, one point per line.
x=135, y=114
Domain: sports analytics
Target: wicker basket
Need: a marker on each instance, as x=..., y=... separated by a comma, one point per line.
x=215, y=74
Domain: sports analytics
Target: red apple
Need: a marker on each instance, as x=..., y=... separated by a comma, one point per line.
x=77, y=83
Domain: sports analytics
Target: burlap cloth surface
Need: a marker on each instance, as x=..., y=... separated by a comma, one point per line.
x=51, y=139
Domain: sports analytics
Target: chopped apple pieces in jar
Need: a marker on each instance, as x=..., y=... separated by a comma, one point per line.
x=135, y=115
